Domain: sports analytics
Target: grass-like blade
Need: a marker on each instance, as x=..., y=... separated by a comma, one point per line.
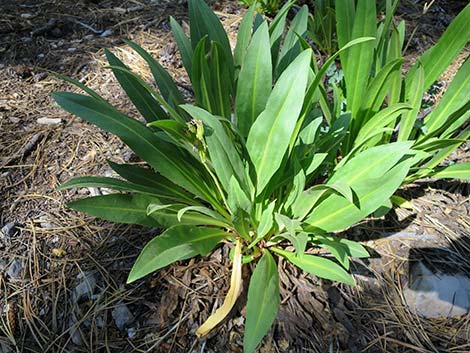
x=165, y=83
x=318, y=266
x=436, y=59
x=173, y=164
x=255, y=80
x=263, y=302
x=143, y=100
x=179, y=242
x=184, y=45
x=270, y=134
x=122, y=208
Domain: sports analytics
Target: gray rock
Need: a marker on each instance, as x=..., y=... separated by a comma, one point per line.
x=85, y=287
x=74, y=330
x=106, y=33
x=122, y=317
x=44, y=223
x=49, y=121
x=131, y=332
x=3, y=265
x=4, y=348
x=9, y=229
x=14, y=271
x=437, y=295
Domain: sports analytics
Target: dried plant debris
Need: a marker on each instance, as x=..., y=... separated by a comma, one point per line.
x=38, y=289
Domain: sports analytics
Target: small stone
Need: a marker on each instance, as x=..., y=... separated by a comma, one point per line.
x=85, y=287
x=74, y=331
x=49, y=121
x=122, y=317
x=26, y=15
x=3, y=265
x=131, y=332
x=14, y=271
x=40, y=76
x=72, y=50
x=106, y=33
x=45, y=224
x=437, y=295
x=9, y=229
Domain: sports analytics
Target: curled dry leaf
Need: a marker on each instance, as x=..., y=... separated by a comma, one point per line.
x=230, y=299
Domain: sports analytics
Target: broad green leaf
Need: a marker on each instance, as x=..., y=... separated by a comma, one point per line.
x=345, y=12
x=380, y=86
x=371, y=163
x=122, y=208
x=203, y=21
x=291, y=230
x=237, y=198
x=318, y=266
x=291, y=47
x=436, y=59
x=168, y=215
x=145, y=86
x=173, y=164
x=147, y=178
x=426, y=169
x=177, y=243
x=155, y=207
x=309, y=198
x=111, y=183
x=220, y=81
x=455, y=171
x=81, y=86
x=243, y=37
x=456, y=96
x=224, y=155
x=184, y=45
x=338, y=250
x=353, y=248
x=263, y=302
x=276, y=30
x=298, y=185
x=360, y=57
x=175, y=129
x=270, y=134
x=255, y=80
x=401, y=202
x=266, y=221
x=316, y=83
x=200, y=209
x=143, y=100
x=200, y=78
x=309, y=133
x=394, y=53
x=436, y=143
x=380, y=120
x=315, y=162
x=414, y=90
x=336, y=213
x=165, y=83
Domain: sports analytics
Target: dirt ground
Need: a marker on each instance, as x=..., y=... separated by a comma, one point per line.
x=68, y=292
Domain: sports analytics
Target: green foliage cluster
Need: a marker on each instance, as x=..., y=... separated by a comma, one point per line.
x=268, y=7
x=265, y=158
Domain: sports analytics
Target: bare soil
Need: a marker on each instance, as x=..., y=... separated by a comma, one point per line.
x=56, y=247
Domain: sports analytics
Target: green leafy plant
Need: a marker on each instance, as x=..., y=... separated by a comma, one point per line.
x=385, y=104
x=268, y=7
x=258, y=161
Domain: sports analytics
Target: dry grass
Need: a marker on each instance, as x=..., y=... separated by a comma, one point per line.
x=55, y=245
